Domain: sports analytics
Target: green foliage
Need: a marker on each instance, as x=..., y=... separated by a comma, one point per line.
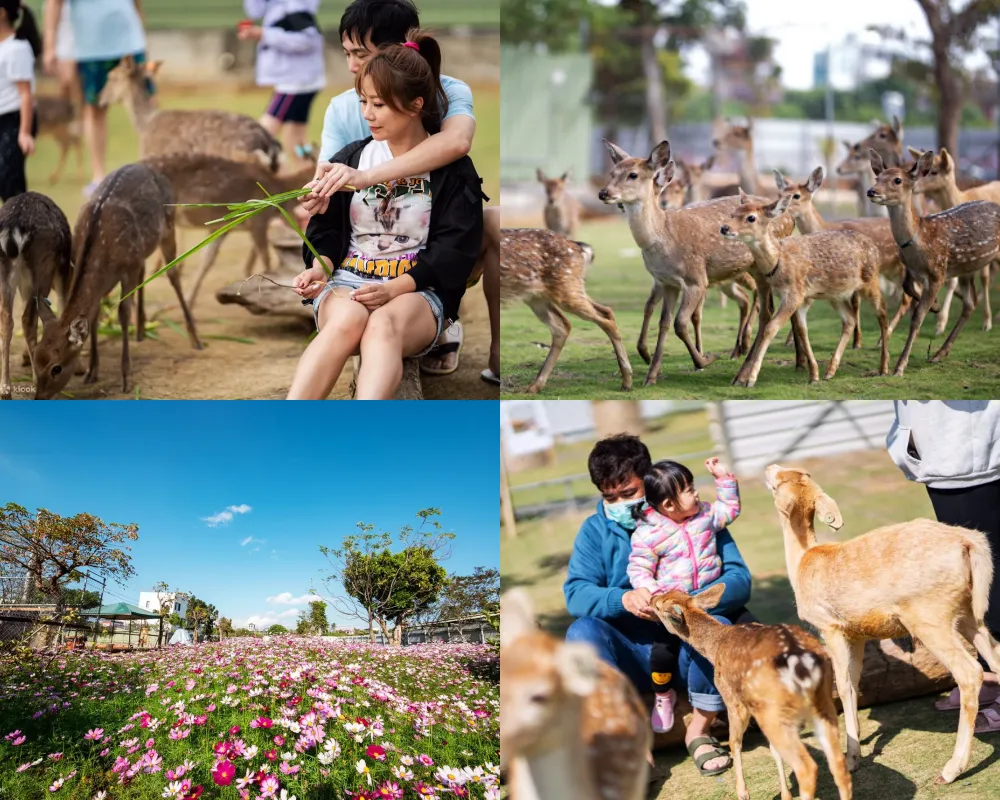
x=78, y=598
x=201, y=616
x=466, y=595
x=225, y=627
x=277, y=630
x=317, y=618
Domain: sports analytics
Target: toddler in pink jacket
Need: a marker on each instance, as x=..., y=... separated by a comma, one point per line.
x=674, y=547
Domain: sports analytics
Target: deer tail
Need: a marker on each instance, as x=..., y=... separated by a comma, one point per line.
x=981, y=565
x=13, y=240
x=800, y=670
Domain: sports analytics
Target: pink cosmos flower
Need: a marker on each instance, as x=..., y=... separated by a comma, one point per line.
x=288, y=769
x=55, y=756
x=390, y=791
x=270, y=755
x=149, y=743
x=376, y=752
x=105, y=751
x=279, y=740
x=94, y=734
x=234, y=730
x=223, y=773
x=426, y=760
x=262, y=722
x=269, y=786
x=19, y=741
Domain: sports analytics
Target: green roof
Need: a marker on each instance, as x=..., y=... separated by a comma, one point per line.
x=118, y=611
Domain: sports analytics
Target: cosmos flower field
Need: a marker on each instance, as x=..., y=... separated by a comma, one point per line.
x=253, y=720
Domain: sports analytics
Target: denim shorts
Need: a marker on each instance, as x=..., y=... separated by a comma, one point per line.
x=94, y=76
x=347, y=280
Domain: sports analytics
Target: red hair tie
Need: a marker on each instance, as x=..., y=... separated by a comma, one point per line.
x=414, y=45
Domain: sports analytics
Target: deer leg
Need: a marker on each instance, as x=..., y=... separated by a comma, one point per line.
x=559, y=327
x=8, y=275
x=62, y=137
x=784, y=738
x=696, y=321
x=847, y=655
x=168, y=248
x=979, y=636
x=739, y=719
x=747, y=376
x=258, y=233
x=988, y=312
x=873, y=292
x=802, y=344
x=735, y=291
x=722, y=300
x=692, y=298
x=782, y=780
x=942, y=320
x=208, y=258
x=927, y=298
x=655, y=295
x=968, y=288
x=846, y=310
x=29, y=323
x=124, y=315
x=670, y=294
x=604, y=318
x=747, y=339
x=904, y=303
x=140, y=311
x=91, y=374
x=828, y=733
x=856, y=308
x=790, y=339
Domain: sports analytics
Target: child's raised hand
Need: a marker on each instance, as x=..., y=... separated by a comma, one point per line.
x=715, y=468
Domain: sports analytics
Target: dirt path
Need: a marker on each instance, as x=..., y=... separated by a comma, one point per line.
x=169, y=369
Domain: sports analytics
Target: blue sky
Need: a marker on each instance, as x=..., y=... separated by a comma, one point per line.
x=288, y=476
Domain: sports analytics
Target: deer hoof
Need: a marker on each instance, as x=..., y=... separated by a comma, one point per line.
x=90, y=377
x=534, y=389
x=627, y=384
x=25, y=359
x=644, y=355
x=708, y=358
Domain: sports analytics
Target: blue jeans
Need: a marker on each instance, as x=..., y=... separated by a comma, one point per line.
x=694, y=671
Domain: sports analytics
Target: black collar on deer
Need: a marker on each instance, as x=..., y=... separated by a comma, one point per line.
x=908, y=242
x=776, y=265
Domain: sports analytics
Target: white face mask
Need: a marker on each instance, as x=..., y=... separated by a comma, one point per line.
x=621, y=512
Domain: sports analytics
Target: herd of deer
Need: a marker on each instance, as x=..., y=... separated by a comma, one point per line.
x=574, y=727
x=738, y=238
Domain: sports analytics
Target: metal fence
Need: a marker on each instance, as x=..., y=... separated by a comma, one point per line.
x=468, y=630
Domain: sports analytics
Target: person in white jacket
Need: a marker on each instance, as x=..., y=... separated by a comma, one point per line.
x=953, y=448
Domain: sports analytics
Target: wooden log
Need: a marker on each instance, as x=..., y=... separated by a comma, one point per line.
x=892, y=670
x=410, y=387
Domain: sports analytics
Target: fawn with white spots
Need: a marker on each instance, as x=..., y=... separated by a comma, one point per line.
x=682, y=250
x=957, y=243
x=778, y=674
x=562, y=212
x=547, y=272
x=830, y=265
x=573, y=727
x=919, y=578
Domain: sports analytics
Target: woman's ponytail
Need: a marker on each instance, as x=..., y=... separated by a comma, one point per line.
x=27, y=30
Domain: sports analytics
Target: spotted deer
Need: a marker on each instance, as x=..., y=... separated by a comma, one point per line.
x=778, y=674
x=738, y=139
x=221, y=133
x=58, y=118
x=562, y=212
x=830, y=265
x=35, y=257
x=681, y=249
x=857, y=163
x=129, y=217
x=574, y=728
x=920, y=578
x=694, y=175
x=957, y=243
x=547, y=272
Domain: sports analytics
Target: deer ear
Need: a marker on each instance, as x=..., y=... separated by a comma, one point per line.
x=664, y=174
x=744, y=199
x=567, y=175
x=660, y=155
x=946, y=160
x=778, y=207
x=128, y=62
x=779, y=181
x=540, y=175
x=616, y=153
x=924, y=164
x=710, y=598
x=914, y=152
x=847, y=144
x=579, y=667
x=897, y=126
x=516, y=616
x=708, y=164
x=878, y=166
x=153, y=67
x=826, y=510
x=78, y=331
x=815, y=180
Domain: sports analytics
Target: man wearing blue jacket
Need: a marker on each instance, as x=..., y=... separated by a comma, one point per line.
x=617, y=619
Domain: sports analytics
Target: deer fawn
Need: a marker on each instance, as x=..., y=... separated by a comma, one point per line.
x=129, y=216
x=574, y=727
x=956, y=243
x=562, y=212
x=919, y=578
x=546, y=271
x=222, y=133
x=830, y=265
x=778, y=674
x=35, y=250
x=681, y=249
x=857, y=163
x=57, y=117
x=694, y=177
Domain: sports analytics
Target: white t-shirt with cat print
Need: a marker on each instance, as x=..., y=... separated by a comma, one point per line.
x=389, y=222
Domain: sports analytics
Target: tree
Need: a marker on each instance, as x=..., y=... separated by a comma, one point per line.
x=200, y=613
x=317, y=618
x=225, y=627
x=277, y=630
x=79, y=598
x=368, y=581
x=467, y=595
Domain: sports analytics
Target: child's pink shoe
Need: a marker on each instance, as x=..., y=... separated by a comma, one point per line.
x=663, y=711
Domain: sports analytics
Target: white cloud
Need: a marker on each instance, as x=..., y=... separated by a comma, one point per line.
x=286, y=599
x=225, y=517
x=267, y=619
x=251, y=540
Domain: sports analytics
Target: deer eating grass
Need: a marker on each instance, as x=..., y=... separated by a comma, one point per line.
x=222, y=133
x=547, y=272
x=778, y=674
x=574, y=728
x=562, y=212
x=126, y=220
x=920, y=578
x=681, y=249
x=830, y=265
x=957, y=243
x=35, y=253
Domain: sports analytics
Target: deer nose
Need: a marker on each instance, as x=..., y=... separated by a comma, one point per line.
x=724, y=230
x=871, y=192
x=602, y=195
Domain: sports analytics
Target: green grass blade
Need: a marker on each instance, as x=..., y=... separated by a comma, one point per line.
x=224, y=338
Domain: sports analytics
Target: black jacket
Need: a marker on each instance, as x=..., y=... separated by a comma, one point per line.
x=454, y=238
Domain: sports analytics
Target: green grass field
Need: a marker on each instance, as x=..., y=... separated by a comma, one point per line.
x=910, y=740
x=587, y=368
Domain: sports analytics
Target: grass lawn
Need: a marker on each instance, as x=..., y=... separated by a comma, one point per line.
x=298, y=711
x=587, y=369
x=910, y=741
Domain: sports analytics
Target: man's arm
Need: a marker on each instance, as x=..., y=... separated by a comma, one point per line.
x=453, y=142
x=586, y=592
x=735, y=574
x=53, y=13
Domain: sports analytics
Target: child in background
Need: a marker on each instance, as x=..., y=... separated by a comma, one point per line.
x=289, y=58
x=20, y=43
x=674, y=547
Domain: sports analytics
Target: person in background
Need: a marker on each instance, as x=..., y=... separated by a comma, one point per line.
x=103, y=32
x=953, y=448
x=289, y=58
x=19, y=44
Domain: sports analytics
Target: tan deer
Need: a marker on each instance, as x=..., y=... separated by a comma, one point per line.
x=222, y=133
x=941, y=186
x=547, y=272
x=738, y=139
x=778, y=674
x=694, y=176
x=919, y=578
x=830, y=265
x=127, y=219
x=857, y=163
x=58, y=118
x=957, y=243
x=35, y=257
x=681, y=249
x=574, y=728
x=562, y=212
x=201, y=178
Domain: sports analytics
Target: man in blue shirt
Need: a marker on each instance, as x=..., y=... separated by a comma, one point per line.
x=617, y=619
